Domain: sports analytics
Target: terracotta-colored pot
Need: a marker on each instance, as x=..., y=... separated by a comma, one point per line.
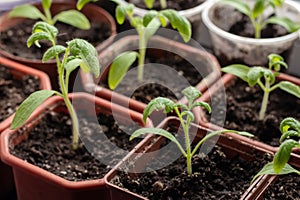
x=18, y=71
x=94, y=13
x=219, y=85
x=34, y=183
x=204, y=62
x=230, y=145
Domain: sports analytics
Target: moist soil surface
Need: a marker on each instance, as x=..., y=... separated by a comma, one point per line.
x=286, y=187
x=49, y=146
x=13, y=91
x=215, y=176
x=14, y=40
x=171, y=4
x=243, y=106
x=167, y=80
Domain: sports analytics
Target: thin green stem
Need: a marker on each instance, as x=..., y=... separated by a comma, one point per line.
x=185, y=127
x=265, y=101
x=163, y=4
x=48, y=16
x=142, y=52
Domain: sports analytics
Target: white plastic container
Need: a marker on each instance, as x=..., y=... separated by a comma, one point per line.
x=251, y=51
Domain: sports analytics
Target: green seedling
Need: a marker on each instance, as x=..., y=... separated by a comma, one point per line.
x=256, y=14
x=77, y=53
x=146, y=27
x=186, y=117
x=149, y=3
x=253, y=76
x=71, y=17
x=289, y=127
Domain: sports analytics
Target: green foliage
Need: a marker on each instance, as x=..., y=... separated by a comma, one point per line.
x=71, y=17
x=78, y=52
x=186, y=116
x=146, y=27
x=290, y=129
x=253, y=76
x=149, y=3
x=256, y=14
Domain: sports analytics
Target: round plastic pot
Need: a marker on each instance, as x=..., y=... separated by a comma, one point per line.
x=18, y=71
x=233, y=48
x=223, y=82
x=206, y=64
x=34, y=183
x=94, y=13
x=230, y=145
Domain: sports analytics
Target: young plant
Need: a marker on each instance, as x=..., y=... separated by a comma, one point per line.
x=149, y=3
x=253, y=76
x=256, y=14
x=289, y=127
x=71, y=17
x=146, y=27
x=185, y=115
x=78, y=52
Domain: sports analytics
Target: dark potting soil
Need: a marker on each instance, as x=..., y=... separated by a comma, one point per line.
x=243, y=106
x=215, y=176
x=171, y=4
x=166, y=81
x=13, y=91
x=14, y=40
x=49, y=146
x=286, y=187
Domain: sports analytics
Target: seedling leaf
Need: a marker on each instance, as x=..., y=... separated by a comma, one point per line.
x=287, y=23
x=27, y=11
x=290, y=88
x=238, y=70
x=73, y=18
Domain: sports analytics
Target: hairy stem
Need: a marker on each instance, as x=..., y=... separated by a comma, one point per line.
x=265, y=101
x=142, y=52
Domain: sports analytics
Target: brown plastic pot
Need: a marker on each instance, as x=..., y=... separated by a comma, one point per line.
x=18, y=71
x=34, y=183
x=223, y=82
x=92, y=12
x=202, y=60
x=230, y=145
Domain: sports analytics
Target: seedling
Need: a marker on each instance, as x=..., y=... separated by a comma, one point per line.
x=78, y=52
x=253, y=76
x=185, y=115
x=149, y=3
x=289, y=127
x=256, y=14
x=71, y=17
x=146, y=27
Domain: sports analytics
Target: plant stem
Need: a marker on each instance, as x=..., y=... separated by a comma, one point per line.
x=142, y=52
x=257, y=27
x=163, y=4
x=265, y=101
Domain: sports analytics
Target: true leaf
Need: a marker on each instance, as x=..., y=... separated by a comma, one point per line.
x=29, y=105
x=238, y=70
x=258, y=9
x=119, y=68
x=158, y=104
x=202, y=104
x=27, y=11
x=45, y=27
x=288, y=123
x=290, y=88
x=72, y=64
x=151, y=28
x=191, y=93
x=34, y=38
x=289, y=134
x=283, y=154
x=189, y=114
x=149, y=16
x=52, y=52
x=254, y=74
x=87, y=53
x=74, y=18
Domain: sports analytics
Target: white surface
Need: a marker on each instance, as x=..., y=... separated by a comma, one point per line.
x=9, y=4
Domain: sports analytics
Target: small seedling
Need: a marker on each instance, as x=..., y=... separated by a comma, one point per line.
x=146, y=27
x=256, y=14
x=77, y=53
x=253, y=76
x=289, y=127
x=185, y=115
x=149, y=3
x=71, y=17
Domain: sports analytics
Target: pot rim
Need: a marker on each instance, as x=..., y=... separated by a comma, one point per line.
x=246, y=40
